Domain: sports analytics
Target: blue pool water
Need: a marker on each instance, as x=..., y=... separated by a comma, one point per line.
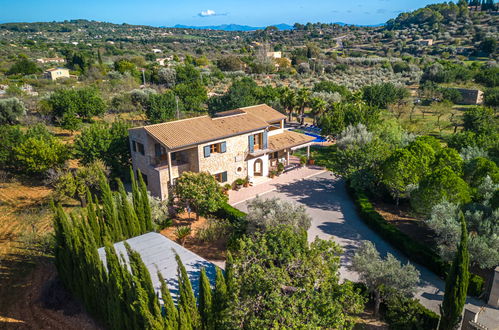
x=318, y=138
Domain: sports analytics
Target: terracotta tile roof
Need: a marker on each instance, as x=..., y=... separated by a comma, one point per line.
x=288, y=139
x=181, y=133
x=264, y=112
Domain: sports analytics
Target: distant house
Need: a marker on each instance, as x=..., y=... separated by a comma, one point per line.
x=50, y=60
x=274, y=54
x=242, y=143
x=156, y=50
x=57, y=73
x=471, y=96
x=158, y=254
x=425, y=42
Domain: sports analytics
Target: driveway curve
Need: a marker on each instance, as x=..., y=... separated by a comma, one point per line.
x=334, y=217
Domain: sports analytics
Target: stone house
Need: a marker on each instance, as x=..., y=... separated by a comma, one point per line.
x=471, y=96
x=242, y=143
x=56, y=73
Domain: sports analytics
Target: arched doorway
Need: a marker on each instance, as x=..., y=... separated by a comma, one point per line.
x=258, y=167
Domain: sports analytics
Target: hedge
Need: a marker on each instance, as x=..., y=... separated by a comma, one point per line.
x=414, y=250
x=408, y=314
x=230, y=213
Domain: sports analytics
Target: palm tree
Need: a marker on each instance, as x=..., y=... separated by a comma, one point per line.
x=288, y=100
x=302, y=101
x=318, y=106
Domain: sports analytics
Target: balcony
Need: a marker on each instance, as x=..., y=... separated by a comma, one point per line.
x=161, y=163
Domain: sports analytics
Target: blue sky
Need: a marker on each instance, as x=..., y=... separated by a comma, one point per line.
x=197, y=12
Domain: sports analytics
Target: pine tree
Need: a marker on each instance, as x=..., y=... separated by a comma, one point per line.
x=456, y=284
x=205, y=301
x=171, y=312
x=187, y=300
x=144, y=198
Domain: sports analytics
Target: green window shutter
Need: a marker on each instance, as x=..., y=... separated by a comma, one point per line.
x=223, y=146
x=224, y=176
x=265, y=138
x=251, y=143
x=207, y=151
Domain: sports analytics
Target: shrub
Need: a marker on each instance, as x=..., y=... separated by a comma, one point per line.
x=182, y=233
x=414, y=250
x=214, y=230
x=405, y=314
x=475, y=285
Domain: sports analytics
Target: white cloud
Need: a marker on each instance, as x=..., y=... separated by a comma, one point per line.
x=208, y=12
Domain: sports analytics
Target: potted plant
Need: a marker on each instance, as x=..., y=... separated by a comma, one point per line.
x=246, y=182
x=311, y=161
x=303, y=160
x=280, y=168
x=226, y=188
x=272, y=174
x=239, y=183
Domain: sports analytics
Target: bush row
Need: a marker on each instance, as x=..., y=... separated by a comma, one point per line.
x=414, y=250
x=402, y=313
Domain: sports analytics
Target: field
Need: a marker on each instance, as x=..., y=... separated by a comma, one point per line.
x=31, y=298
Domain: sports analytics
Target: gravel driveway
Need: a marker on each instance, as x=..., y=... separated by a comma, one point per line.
x=334, y=217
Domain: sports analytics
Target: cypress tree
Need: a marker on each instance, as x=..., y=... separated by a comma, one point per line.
x=171, y=312
x=140, y=272
x=187, y=300
x=144, y=198
x=456, y=284
x=109, y=211
x=92, y=220
x=219, y=298
x=129, y=220
x=137, y=202
x=205, y=301
x=117, y=316
x=184, y=320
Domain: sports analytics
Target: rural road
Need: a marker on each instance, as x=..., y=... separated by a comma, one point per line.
x=334, y=217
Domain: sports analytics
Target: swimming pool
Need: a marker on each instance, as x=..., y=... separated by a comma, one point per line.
x=318, y=138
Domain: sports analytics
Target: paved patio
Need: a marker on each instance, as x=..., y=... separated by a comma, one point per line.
x=265, y=185
x=335, y=217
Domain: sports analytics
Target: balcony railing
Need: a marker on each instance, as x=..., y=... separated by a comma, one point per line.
x=158, y=161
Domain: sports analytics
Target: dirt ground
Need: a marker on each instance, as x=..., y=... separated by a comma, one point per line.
x=26, y=278
x=400, y=217
x=211, y=251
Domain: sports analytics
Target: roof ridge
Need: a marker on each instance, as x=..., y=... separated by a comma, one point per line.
x=175, y=121
x=252, y=106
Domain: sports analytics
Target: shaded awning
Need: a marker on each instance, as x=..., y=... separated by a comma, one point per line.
x=288, y=139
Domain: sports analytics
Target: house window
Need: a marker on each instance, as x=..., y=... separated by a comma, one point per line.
x=215, y=148
x=258, y=141
x=221, y=177
x=134, y=146
x=159, y=149
x=274, y=155
x=140, y=148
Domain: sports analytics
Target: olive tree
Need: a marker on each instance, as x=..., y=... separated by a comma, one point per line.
x=384, y=278
x=265, y=213
x=10, y=110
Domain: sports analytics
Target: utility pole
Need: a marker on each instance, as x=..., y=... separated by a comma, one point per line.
x=143, y=75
